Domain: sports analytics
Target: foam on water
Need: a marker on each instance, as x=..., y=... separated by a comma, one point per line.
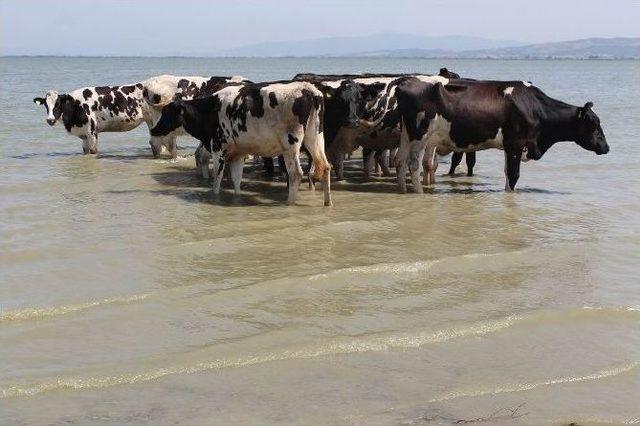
x=39, y=313
x=519, y=387
x=370, y=344
x=408, y=267
x=178, y=159
x=353, y=346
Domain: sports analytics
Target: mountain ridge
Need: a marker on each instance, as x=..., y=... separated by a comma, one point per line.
x=348, y=45
x=453, y=47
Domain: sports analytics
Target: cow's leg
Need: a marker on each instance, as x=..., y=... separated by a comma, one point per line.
x=337, y=162
x=196, y=155
x=236, y=167
x=402, y=158
x=294, y=169
x=382, y=158
x=471, y=161
x=156, y=147
x=310, y=169
x=416, y=156
x=205, y=158
x=90, y=143
x=267, y=165
x=512, y=158
x=281, y=165
x=202, y=161
x=171, y=145
x=314, y=143
x=217, y=160
x=456, y=158
x=392, y=157
x=367, y=161
x=430, y=162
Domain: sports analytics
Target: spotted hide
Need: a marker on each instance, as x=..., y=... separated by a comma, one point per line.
x=161, y=90
x=88, y=111
x=266, y=119
x=460, y=115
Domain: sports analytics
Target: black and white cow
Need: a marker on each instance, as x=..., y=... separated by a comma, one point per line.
x=88, y=111
x=161, y=90
x=460, y=115
x=378, y=131
x=266, y=119
x=344, y=103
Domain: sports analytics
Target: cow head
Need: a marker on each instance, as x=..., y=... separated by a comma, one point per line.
x=171, y=119
x=345, y=104
x=589, y=134
x=448, y=74
x=54, y=103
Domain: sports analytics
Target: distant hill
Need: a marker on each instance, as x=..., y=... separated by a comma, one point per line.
x=351, y=46
x=417, y=46
x=601, y=48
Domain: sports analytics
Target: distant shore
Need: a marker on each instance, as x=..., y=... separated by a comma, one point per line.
x=499, y=58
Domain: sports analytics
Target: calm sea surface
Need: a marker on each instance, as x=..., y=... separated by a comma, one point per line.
x=129, y=294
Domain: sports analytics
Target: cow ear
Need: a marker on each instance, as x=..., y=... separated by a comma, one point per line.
x=38, y=101
x=582, y=112
x=328, y=92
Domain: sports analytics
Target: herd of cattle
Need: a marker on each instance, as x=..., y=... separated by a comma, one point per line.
x=398, y=119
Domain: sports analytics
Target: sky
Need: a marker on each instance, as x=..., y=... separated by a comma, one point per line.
x=200, y=28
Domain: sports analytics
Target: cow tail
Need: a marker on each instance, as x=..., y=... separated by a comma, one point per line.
x=314, y=139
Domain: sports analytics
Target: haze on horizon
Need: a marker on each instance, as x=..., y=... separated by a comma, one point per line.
x=202, y=28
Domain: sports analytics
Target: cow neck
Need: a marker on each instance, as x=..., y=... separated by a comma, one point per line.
x=557, y=123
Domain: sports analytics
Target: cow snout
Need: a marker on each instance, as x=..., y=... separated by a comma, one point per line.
x=602, y=148
x=51, y=121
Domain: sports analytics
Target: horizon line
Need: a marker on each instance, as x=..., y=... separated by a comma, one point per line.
x=516, y=58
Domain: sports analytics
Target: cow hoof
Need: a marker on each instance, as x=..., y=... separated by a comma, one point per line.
x=328, y=203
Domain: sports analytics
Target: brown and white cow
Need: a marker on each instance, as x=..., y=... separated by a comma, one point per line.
x=266, y=119
x=458, y=115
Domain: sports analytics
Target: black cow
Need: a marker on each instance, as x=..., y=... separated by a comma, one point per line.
x=378, y=131
x=465, y=115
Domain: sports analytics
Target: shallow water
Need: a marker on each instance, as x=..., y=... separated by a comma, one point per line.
x=130, y=294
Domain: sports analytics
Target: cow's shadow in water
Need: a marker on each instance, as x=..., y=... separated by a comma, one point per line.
x=29, y=155
x=183, y=182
